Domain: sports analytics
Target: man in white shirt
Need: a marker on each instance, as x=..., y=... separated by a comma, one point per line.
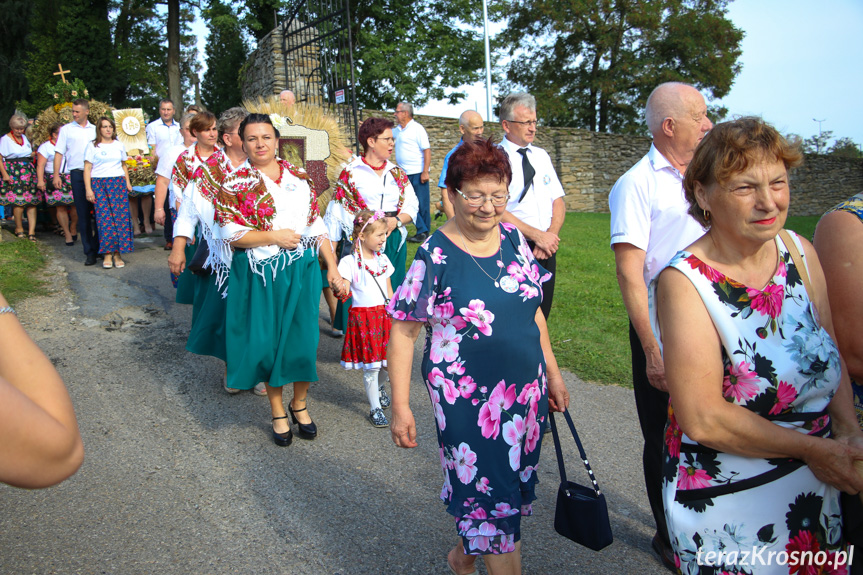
x=535, y=205
x=413, y=155
x=162, y=135
x=71, y=142
x=649, y=224
x=471, y=126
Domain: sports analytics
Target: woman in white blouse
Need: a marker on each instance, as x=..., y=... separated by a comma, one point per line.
x=269, y=236
x=106, y=178
x=372, y=182
x=19, y=177
x=61, y=199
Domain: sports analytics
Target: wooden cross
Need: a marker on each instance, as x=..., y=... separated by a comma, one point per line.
x=62, y=73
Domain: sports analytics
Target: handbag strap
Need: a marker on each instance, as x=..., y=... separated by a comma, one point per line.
x=797, y=259
x=581, y=452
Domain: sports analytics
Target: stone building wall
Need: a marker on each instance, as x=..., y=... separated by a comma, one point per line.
x=264, y=71
x=588, y=164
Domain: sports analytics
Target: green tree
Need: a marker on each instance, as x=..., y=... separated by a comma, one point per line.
x=845, y=148
x=14, y=20
x=140, y=54
x=403, y=50
x=415, y=50
x=42, y=56
x=226, y=53
x=84, y=40
x=817, y=144
x=593, y=64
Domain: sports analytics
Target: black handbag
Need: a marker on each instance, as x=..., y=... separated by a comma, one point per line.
x=581, y=514
x=196, y=265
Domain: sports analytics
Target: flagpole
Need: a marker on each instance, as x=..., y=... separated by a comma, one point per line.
x=487, y=60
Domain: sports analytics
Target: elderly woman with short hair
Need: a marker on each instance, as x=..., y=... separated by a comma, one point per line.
x=19, y=176
x=488, y=365
x=761, y=435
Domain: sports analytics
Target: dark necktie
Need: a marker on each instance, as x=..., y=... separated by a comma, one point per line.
x=528, y=170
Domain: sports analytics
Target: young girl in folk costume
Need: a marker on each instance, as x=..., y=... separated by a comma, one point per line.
x=367, y=269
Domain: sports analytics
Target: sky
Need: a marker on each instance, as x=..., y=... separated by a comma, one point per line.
x=802, y=59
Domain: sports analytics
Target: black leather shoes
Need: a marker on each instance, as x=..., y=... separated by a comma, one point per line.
x=666, y=554
x=306, y=430
x=282, y=439
x=418, y=238
x=91, y=260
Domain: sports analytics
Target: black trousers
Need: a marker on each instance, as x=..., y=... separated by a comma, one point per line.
x=652, y=407
x=169, y=221
x=548, y=287
x=86, y=223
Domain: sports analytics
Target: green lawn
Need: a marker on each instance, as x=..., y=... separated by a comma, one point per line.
x=588, y=324
x=21, y=265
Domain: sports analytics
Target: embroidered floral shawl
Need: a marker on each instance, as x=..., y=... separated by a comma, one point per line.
x=244, y=203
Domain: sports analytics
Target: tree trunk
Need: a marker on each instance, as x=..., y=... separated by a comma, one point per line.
x=175, y=92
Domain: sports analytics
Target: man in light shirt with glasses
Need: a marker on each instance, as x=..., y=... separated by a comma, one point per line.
x=535, y=204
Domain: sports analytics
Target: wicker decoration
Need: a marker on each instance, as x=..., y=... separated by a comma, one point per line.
x=309, y=138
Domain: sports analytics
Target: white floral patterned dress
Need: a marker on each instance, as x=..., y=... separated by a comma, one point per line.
x=485, y=373
x=753, y=513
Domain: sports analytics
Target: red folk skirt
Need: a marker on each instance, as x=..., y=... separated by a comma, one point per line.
x=366, y=338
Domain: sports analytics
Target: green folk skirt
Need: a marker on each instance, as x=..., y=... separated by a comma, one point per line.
x=271, y=331
x=398, y=257
x=207, y=336
x=187, y=284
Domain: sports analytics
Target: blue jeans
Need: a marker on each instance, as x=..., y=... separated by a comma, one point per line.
x=423, y=221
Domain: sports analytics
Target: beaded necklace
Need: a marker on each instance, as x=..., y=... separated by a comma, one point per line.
x=15, y=138
x=366, y=162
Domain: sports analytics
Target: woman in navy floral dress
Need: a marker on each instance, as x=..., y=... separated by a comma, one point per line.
x=761, y=435
x=487, y=364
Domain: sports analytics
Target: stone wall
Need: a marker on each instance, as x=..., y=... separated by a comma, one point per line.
x=264, y=71
x=588, y=164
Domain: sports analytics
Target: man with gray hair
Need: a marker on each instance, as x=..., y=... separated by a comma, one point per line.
x=413, y=155
x=535, y=205
x=287, y=98
x=470, y=125
x=649, y=224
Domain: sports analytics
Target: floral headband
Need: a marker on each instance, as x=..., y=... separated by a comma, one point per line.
x=374, y=217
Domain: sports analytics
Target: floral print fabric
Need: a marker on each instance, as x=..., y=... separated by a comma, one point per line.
x=485, y=373
x=21, y=191
x=112, y=215
x=854, y=205
x=61, y=197
x=782, y=365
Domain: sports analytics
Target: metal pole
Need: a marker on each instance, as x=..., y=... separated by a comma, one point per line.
x=487, y=60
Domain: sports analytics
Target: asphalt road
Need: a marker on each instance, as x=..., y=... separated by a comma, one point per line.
x=180, y=477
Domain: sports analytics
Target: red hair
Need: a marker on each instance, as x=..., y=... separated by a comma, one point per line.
x=372, y=128
x=477, y=159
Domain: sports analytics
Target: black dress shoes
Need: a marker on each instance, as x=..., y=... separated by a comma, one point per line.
x=282, y=439
x=418, y=238
x=306, y=430
x=91, y=260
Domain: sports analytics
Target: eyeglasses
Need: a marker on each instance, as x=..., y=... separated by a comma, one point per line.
x=479, y=200
x=390, y=139
x=531, y=123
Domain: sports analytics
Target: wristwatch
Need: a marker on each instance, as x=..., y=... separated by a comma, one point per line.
x=399, y=223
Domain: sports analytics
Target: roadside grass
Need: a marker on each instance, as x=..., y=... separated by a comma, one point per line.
x=588, y=325
x=21, y=265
